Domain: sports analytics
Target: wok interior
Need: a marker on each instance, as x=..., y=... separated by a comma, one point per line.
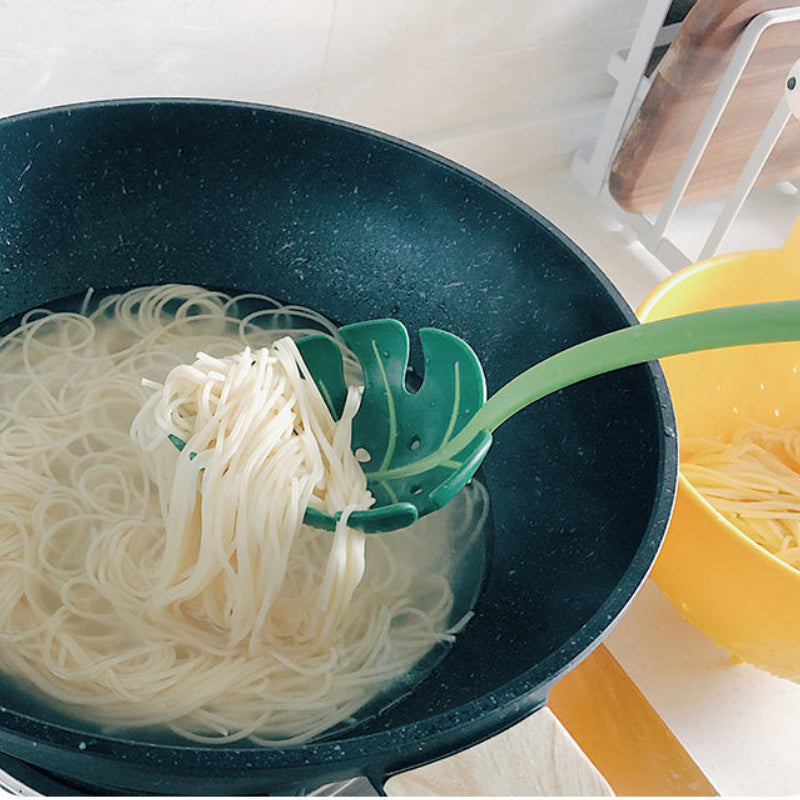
x=358, y=226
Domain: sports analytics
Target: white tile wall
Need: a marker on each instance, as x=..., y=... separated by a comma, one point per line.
x=54, y=51
x=499, y=85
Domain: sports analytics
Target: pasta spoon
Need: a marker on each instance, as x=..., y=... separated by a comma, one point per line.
x=419, y=449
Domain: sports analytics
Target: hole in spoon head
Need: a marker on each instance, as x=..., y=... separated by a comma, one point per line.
x=416, y=490
x=362, y=455
x=414, y=443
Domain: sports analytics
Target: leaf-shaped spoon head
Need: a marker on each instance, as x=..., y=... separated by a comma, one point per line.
x=399, y=431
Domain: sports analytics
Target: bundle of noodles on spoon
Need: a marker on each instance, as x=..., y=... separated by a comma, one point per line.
x=261, y=447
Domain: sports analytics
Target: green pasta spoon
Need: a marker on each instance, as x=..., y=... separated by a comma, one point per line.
x=419, y=449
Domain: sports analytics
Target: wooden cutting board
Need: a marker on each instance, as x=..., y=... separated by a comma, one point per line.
x=682, y=88
x=599, y=736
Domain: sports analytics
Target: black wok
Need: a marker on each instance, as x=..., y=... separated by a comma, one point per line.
x=358, y=225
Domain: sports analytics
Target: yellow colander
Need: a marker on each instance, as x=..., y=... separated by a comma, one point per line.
x=740, y=595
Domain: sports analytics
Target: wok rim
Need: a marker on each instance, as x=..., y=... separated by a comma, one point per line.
x=431, y=738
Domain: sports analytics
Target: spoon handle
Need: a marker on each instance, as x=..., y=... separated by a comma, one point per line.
x=704, y=330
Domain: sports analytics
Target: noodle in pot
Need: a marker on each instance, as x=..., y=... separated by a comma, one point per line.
x=141, y=586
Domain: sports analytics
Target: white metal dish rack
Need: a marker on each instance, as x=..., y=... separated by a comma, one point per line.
x=591, y=165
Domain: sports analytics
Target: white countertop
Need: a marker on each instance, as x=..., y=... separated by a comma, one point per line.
x=740, y=724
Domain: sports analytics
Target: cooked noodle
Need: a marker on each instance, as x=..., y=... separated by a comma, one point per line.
x=753, y=481
x=140, y=586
